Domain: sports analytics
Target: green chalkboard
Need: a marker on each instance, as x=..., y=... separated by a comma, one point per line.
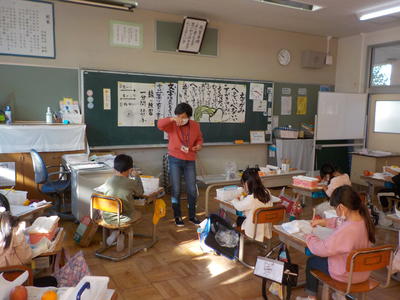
x=30, y=90
x=103, y=130
x=294, y=90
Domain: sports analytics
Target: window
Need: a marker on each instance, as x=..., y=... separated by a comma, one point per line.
x=387, y=116
x=385, y=66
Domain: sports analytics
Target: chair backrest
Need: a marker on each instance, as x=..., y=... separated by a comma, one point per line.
x=39, y=167
x=106, y=203
x=369, y=259
x=13, y=272
x=274, y=215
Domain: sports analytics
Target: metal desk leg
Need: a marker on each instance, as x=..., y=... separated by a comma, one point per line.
x=207, y=197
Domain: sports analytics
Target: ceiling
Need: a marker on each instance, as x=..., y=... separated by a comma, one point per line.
x=337, y=18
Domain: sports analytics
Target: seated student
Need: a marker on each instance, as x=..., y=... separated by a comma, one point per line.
x=394, y=190
x=14, y=248
x=257, y=196
x=121, y=186
x=352, y=230
x=334, y=179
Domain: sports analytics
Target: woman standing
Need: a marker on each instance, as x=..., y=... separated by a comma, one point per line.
x=185, y=140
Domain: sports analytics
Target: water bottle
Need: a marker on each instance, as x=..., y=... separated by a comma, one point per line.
x=8, y=114
x=49, y=116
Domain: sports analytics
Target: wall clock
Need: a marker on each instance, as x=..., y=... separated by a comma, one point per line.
x=284, y=57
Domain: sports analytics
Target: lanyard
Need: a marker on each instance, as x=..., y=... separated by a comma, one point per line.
x=185, y=136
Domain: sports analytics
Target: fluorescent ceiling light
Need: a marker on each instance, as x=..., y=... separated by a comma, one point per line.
x=380, y=13
x=292, y=4
x=127, y=5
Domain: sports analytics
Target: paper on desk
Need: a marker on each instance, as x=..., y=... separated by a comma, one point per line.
x=297, y=226
x=381, y=176
x=19, y=210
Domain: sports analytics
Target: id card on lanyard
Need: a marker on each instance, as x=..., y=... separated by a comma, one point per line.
x=185, y=138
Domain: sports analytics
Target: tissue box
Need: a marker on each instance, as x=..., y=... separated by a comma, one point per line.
x=305, y=181
x=229, y=192
x=150, y=184
x=43, y=227
x=15, y=197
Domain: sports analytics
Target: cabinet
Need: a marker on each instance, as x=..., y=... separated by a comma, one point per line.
x=25, y=177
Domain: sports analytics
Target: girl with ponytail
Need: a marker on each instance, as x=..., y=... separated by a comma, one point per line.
x=257, y=196
x=355, y=231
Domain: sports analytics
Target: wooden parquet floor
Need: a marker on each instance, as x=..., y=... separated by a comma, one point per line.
x=176, y=268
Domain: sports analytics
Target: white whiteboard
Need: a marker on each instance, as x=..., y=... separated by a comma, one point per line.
x=27, y=28
x=341, y=116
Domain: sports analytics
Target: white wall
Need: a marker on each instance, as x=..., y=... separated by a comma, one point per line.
x=82, y=41
x=352, y=58
x=351, y=77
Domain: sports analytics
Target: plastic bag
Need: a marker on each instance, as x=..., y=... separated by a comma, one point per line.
x=396, y=261
x=230, y=170
x=227, y=237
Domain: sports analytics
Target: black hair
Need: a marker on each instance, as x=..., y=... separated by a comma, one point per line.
x=254, y=185
x=123, y=162
x=4, y=202
x=6, y=229
x=347, y=196
x=184, y=108
x=327, y=169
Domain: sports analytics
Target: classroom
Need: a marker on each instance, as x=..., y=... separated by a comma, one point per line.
x=226, y=149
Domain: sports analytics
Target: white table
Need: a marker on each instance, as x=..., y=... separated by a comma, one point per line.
x=269, y=181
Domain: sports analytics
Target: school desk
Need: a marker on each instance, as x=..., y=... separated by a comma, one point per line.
x=228, y=205
x=269, y=181
x=55, y=254
x=313, y=193
x=373, y=184
x=296, y=241
x=26, y=213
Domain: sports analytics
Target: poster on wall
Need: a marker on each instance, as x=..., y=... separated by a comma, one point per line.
x=214, y=102
x=27, y=28
x=126, y=34
x=135, y=104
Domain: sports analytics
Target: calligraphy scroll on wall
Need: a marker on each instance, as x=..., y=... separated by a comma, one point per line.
x=165, y=98
x=214, y=102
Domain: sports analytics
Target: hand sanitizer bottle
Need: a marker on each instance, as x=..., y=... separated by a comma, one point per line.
x=8, y=114
x=49, y=116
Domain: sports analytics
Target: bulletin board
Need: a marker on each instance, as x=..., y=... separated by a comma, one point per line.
x=104, y=127
x=291, y=92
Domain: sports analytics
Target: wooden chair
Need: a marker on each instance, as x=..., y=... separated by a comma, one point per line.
x=13, y=272
x=367, y=259
x=273, y=215
x=114, y=205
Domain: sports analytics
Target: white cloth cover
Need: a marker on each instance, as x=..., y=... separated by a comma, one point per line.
x=299, y=152
x=42, y=138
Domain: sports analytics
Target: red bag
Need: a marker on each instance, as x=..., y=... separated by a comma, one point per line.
x=293, y=207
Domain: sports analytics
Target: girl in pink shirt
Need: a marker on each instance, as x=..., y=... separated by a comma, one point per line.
x=355, y=231
x=334, y=178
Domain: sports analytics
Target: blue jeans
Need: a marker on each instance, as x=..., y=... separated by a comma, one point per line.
x=315, y=263
x=187, y=168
